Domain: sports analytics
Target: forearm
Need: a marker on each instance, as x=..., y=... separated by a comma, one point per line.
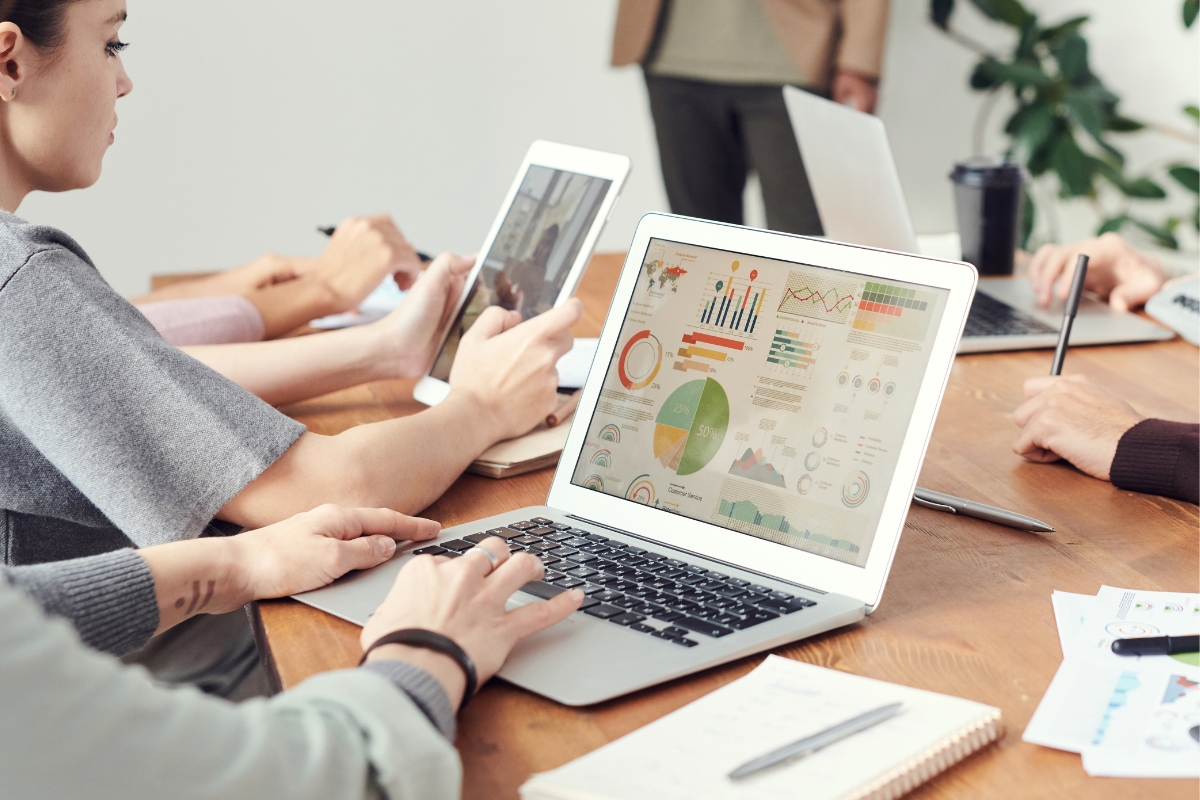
x=403, y=464
x=198, y=576
x=286, y=306
x=286, y=370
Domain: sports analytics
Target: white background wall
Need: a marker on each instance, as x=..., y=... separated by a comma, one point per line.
x=253, y=121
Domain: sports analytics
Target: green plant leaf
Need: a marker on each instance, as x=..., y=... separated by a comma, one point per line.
x=1164, y=235
x=1119, y=124
x=1086, y=112
x=1031, y=126
x=1186, y=176
x=1062, y=30
x=1144, y=189
x=1010, y=12
x=1112, y=224
x=1193, y=112
x=940, y=11
x=1190, y=9
x=1072, y=57
x=990, y=72
x=1028, y=217
x=1075, y=169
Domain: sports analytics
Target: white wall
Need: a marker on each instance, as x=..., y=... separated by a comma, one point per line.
x=253, y=121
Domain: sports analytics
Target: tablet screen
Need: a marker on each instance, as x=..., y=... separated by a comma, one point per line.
x=767, y=397
x=531, y=257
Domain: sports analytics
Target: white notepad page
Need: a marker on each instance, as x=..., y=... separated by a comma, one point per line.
x=688, y=754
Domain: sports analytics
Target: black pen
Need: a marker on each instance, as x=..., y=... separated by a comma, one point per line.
x=1156, y=645
x=1069, y=311
x=328, y=231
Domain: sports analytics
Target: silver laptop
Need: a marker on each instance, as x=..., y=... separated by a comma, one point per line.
x=859, y=199
x=740, y=466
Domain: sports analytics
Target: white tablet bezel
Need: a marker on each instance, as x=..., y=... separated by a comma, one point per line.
x=797, y=566
x=612, y=167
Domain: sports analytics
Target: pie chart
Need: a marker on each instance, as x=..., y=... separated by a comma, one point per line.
x=691, y=426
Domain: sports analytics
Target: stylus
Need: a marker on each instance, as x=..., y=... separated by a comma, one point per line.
x=968, y=508
x=1069, y=311
x=328, y=231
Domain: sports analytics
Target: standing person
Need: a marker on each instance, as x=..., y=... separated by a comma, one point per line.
x=714, y=69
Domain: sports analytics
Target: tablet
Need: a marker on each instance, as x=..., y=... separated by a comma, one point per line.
x=539, y=245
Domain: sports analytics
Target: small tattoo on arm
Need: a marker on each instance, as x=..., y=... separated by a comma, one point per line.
x=195, y=597
x=207, y=595
x=179, y=603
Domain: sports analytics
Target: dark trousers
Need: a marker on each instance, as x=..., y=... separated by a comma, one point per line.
x=711, y=135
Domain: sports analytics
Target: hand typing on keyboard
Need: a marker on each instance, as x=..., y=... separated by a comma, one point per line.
x=1117, y=271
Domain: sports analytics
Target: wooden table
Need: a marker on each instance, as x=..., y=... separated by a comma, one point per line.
x=966, y=610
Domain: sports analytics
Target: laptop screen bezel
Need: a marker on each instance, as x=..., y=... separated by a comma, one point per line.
x=685, y=533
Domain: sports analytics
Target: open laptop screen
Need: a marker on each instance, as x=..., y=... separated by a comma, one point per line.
x=767, y=397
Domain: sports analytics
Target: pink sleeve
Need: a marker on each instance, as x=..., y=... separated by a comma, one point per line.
x=205, y=320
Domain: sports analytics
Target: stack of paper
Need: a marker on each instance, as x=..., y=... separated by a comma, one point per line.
x=1127, y=716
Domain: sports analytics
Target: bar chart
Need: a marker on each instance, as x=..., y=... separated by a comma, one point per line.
x=697, y=345
x=732, y=304
x=794, y=352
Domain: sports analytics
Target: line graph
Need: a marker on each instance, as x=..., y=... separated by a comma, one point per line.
x=829, y=300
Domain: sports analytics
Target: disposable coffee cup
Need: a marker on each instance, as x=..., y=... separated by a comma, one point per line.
x=987, y=200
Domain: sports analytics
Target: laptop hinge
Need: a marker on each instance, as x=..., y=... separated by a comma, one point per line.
x=693, y=553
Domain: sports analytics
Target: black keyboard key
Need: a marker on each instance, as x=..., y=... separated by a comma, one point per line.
x=565, y=552
x=628, y=602
x=675, y=630
x=785, y=606
x=703, y=626
x=689, y=579
x=692, y=568
x=542, y=546
x=663, y=635
x=630, y=561
x=458, y=545
x=656, y=556
x=522, y=526
x=711, y=586
x=609, y=596
x=526, y=539
x=718, y=576
x=569, y=583
x=575, y=541
x=583, y=558
x=685, y=642
x=578, y=531
x=432, y=550
x=581, y=572
x=560, y=526
x=753, y=599
x=675, y=562
x=730, y=591
x=645, y=609
x=451, y=554
x=659, y=584
x=587, y=603
x=726, y=619
x=553, y=577
x=781, y=596
x=667, y=615
x=759, y=588
x=560, y=536
x=548, y=562
x=628, y=618
x=505, y=533
x=637, y=551
x=704, y=612
x=476, y=538
x=604, y=611
x=671, y=573
x=593, y=589
x=542, y=589
x=515, y=548
x=644, y=592
x=542, y=520
x=752, y=619
x=738, y=582
x=595, y=537
x=543, y=531
x=641, y=628
x=724, y=602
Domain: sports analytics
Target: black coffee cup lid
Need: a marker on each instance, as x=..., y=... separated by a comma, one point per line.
x=987, y=171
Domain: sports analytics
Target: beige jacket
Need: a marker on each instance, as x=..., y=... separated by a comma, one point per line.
x=821, y=36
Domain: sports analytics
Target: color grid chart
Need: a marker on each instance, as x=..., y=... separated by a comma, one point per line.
x=894, y=311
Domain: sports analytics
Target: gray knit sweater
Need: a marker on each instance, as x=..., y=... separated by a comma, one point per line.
x=110, y=601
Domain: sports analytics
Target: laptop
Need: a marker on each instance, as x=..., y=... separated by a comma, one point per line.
x=859, y=199
x=739, y=469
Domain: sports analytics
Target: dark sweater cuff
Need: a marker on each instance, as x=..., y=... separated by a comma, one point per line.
x=1159, y=457
x=422, y=688
x=109, y=598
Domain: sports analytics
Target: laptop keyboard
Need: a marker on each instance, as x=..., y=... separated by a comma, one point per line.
x=992, y=317
x=631, y=587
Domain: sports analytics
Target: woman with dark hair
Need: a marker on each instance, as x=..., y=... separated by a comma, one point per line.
x=109, y=434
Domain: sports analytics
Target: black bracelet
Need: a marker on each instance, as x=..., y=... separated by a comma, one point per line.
x=419, y=637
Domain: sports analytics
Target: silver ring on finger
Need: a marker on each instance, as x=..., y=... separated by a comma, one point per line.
x=492, y=557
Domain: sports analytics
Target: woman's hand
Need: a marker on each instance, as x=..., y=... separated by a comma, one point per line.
x=1072, y=418
x=508, y=366
x=362, y=252
x=409, y=335
x=464, y=600
x=307, y=551
x=317, y=547
x=1116, y=271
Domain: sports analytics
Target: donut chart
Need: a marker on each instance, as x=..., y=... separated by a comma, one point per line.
x=691, y=426
x=820, y=437
x=640, y=361
x=641, y=490
x=812, y=461
x=855, y=489
x=804, y=484
x=594, y=482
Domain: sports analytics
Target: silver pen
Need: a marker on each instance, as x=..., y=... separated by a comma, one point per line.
x=811, y=744
x=969, y=508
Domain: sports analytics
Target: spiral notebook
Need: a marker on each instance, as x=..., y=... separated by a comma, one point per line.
x=689, y=753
